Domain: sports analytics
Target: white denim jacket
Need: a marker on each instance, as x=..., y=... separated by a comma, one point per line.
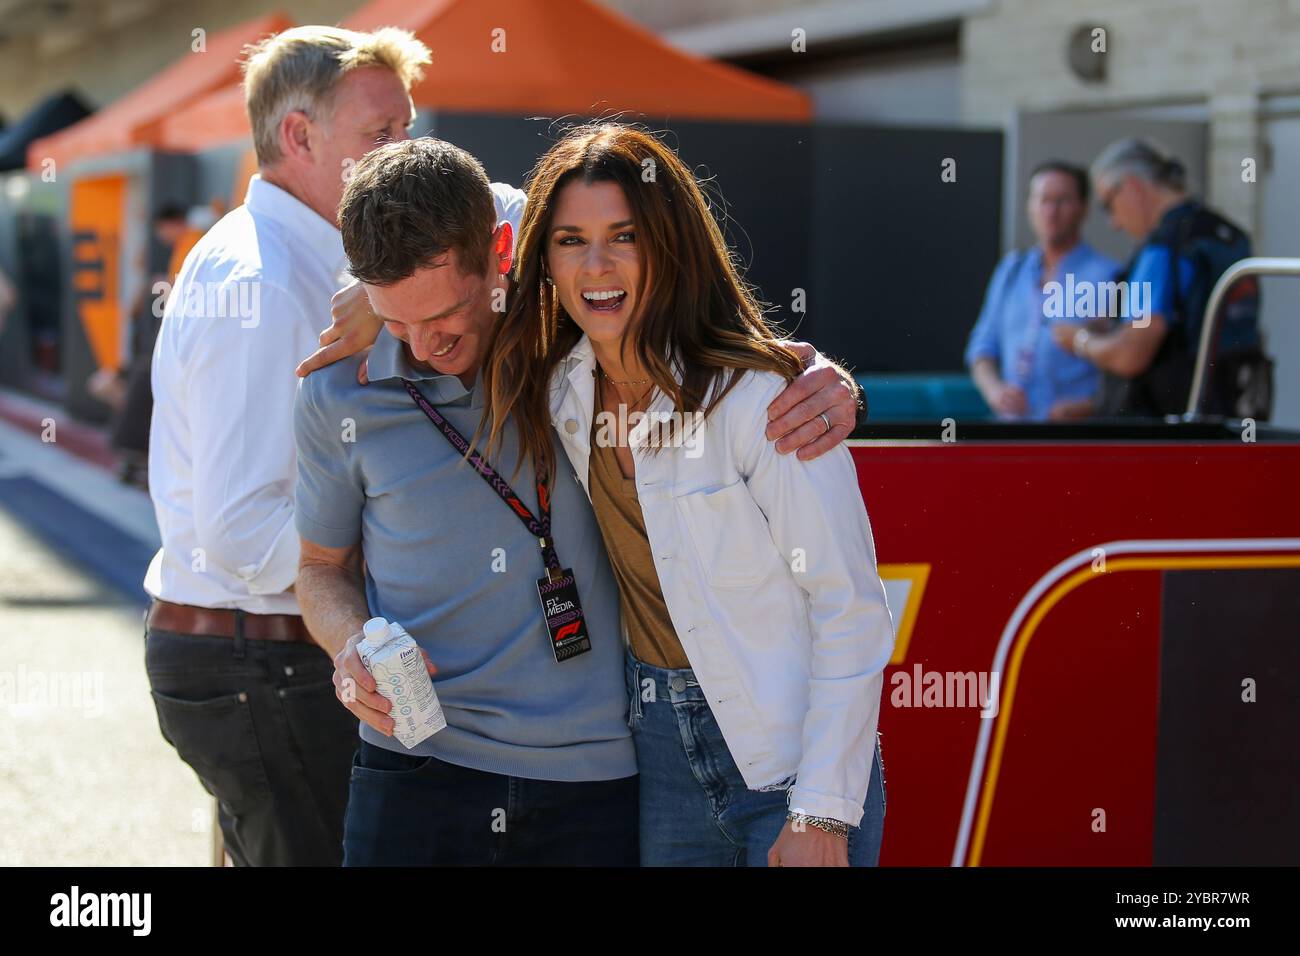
x=768, y=569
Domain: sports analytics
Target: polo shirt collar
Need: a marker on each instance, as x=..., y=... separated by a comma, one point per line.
x=319, y=236
x=388, y=360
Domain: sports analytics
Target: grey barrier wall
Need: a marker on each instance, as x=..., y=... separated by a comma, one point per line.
x=902, y=252
x=892, y=260
x=214, y=174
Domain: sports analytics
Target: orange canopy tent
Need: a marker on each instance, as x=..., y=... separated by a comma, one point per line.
x=523, y=57
x=570, y=56
x=137, y=118
x=216, y=118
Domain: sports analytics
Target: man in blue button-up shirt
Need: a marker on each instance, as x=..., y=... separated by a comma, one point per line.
x=1013, y=358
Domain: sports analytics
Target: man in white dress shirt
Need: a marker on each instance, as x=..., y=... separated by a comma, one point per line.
x=241, y=689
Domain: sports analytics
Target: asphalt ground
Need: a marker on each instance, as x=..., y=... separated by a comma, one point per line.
x=86, y=779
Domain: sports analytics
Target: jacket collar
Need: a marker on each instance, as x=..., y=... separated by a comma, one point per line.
x=581, y=361
x=573, y=393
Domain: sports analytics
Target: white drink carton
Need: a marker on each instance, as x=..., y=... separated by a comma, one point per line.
x=395, y=662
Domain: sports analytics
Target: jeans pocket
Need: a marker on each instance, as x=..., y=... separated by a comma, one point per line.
x=216, y=738
x=318, y=722
x=379, y=763
x=323, y=733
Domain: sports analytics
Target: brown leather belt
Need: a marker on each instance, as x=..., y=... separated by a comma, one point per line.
x=219, y=622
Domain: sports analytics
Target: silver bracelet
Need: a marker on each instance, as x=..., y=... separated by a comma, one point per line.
x=835, y=827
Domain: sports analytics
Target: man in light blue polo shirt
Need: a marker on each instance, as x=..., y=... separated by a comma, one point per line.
x=1012, y=355
x=536, y=764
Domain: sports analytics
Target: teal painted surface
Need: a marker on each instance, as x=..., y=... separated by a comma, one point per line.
x=923, y=397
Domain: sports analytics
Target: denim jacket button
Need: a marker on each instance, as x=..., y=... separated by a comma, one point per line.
x=679, y=684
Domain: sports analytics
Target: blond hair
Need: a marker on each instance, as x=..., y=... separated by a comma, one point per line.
x=300, y=68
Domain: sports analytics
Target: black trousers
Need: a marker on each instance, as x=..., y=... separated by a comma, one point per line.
x=407, y=810
x=259, y=723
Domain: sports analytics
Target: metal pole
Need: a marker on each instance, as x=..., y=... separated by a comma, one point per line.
x=1255, y=265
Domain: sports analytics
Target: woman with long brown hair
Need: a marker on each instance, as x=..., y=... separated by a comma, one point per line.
x=755, y=620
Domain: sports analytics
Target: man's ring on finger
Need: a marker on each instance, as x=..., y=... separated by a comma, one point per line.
x=826, y=420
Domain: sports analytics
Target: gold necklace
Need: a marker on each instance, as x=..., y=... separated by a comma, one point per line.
x=620, y=397
x=635, y=381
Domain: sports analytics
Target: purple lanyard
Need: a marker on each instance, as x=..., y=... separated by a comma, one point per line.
x=541, y=530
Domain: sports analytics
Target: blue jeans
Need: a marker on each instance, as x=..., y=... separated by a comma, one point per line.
x=695, y=807
x=407, y=810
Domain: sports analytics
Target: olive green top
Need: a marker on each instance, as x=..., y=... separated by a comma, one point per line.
x=618, y=512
